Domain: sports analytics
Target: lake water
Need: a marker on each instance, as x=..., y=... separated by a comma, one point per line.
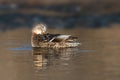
x=98, y=58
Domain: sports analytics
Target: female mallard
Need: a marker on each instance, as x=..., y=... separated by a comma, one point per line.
x=42, y=39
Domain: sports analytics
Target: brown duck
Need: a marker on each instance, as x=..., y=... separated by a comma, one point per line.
x=46, y=40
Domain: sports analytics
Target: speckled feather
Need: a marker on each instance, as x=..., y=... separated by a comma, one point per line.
x=42, y=39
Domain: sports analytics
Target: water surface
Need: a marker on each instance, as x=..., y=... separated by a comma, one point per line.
x=96, y=59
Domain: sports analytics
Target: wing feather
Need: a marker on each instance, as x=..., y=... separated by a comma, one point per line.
x=59, y=38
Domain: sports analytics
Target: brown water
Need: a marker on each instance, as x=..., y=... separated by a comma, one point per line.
x=96, y=59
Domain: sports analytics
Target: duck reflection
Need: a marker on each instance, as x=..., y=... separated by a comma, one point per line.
x=43, y=57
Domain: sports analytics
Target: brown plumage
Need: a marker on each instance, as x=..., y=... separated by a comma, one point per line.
x=41, y=39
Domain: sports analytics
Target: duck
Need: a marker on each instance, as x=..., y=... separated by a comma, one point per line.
x=40, y=38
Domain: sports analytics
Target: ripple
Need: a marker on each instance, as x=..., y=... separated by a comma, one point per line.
x=21, y=48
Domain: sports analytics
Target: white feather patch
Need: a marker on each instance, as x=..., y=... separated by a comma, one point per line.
x=64, y=37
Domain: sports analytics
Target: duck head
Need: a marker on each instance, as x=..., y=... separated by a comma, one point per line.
x=39, y=29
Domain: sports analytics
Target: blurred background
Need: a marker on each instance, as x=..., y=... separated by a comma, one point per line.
x=59, y=13
x=95, y=23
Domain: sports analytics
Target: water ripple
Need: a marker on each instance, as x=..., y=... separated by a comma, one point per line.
x=21, y=48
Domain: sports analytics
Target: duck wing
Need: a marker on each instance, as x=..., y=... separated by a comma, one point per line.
x=55, y=38
x=50, y=37
x=60, y=38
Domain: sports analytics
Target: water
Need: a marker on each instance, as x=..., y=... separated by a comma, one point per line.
x=96, y=59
